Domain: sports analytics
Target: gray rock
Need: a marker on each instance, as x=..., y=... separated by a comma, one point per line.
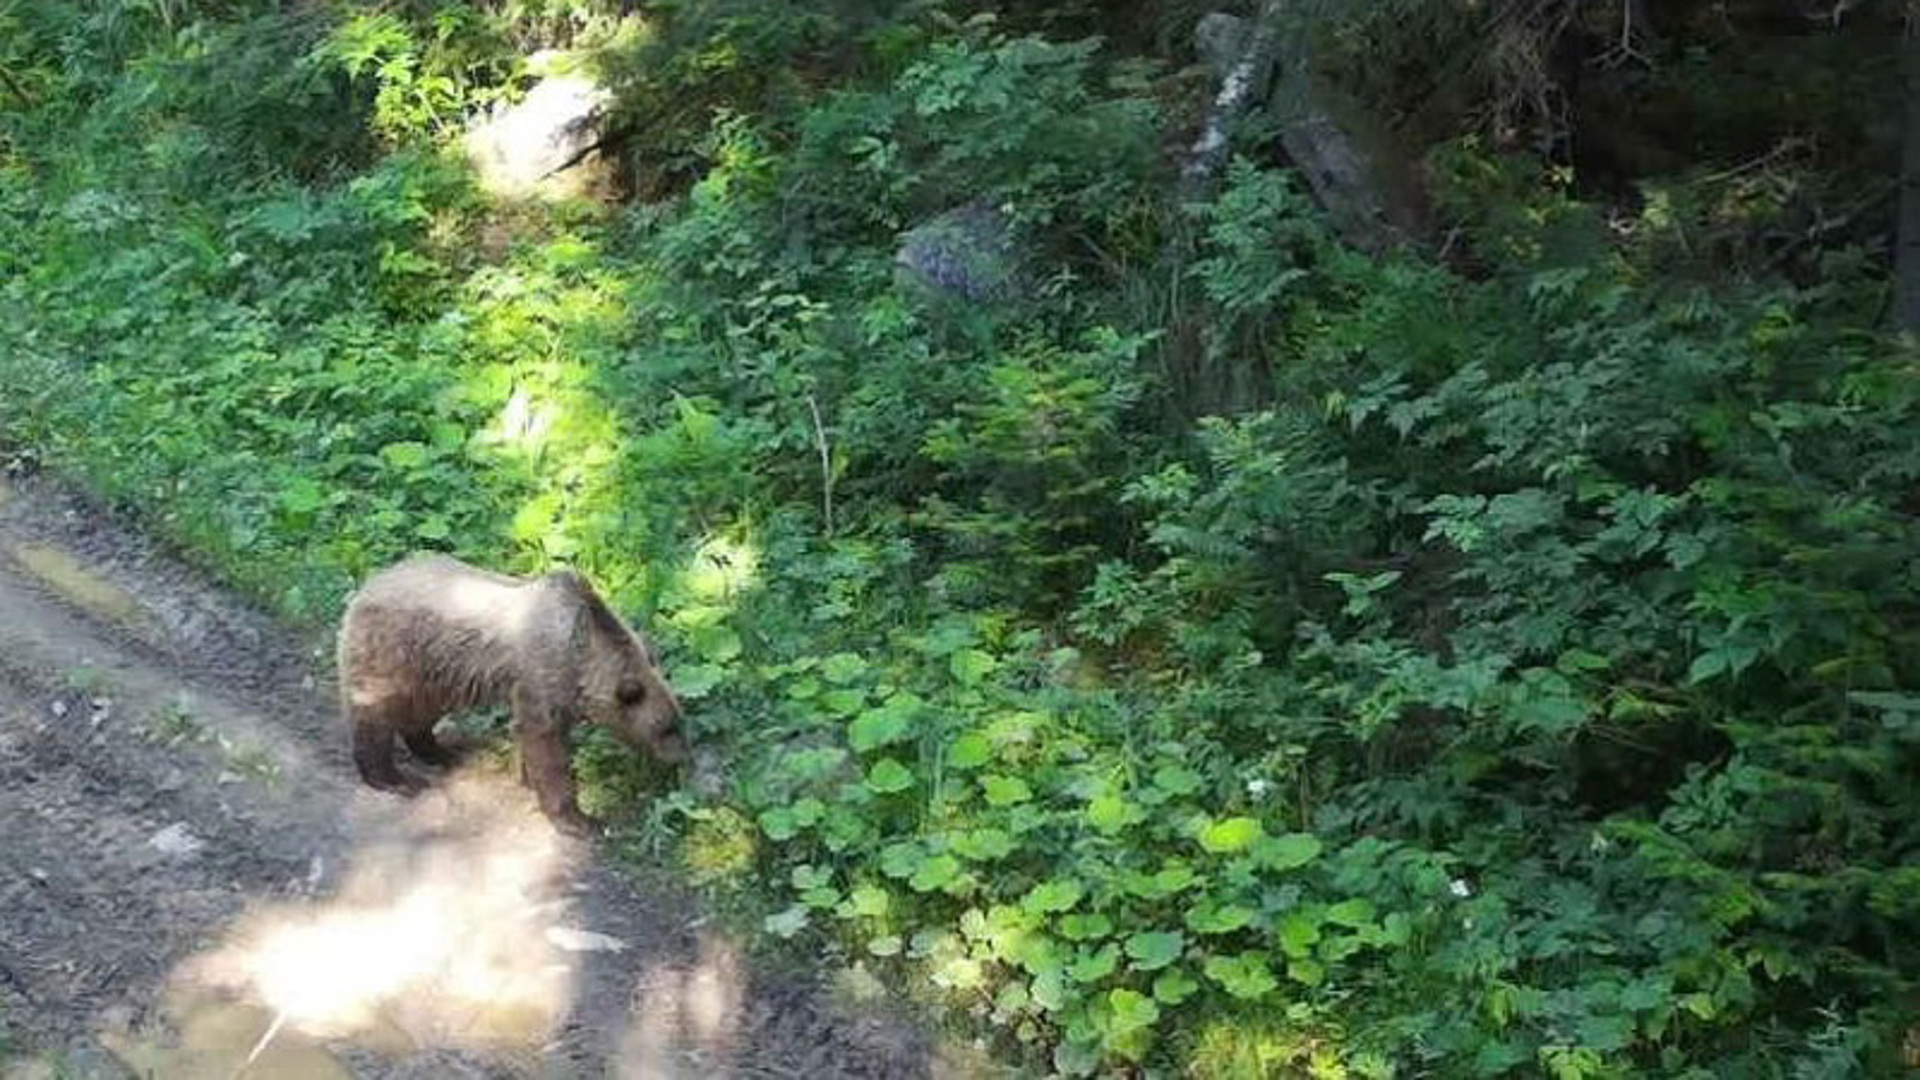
x=971, y=252
x=543, y=145
x=1220, y=40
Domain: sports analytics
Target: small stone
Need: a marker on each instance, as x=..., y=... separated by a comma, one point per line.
x=176, y=840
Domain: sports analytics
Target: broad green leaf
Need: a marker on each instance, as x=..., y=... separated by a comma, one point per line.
x=900, y=860
x=959, y=973
x=406, y=455
x=1299, y=932
x=983, y=845
x=936, y=873
x=1209, y=918
x=1059, y=894
x=1287, y=851
x=842, y=668
x=1111, y=813
x=1707, y=665
x=877, y=727
x=1131, y=1010
x=787, y=923
x=691, y=682
x=843, y=701
x=779, y=823
x=1039, y=954
x=866, y=901
x=1575, y=660
x=1245, y=976
x=1012, y=998
x=1173, y=987
x=1886, y=700
x=1155, y=949
x=1229, y=835
x=1084, y=927
x=1170, y=879
x=1049, y=989
x=888, y=776
x=302, y=496
x=1005, y=790
x=1354, y=914
x=714, y=643
x=969, y=666
x=970, y=751
x=1091, y=967
x=1176, y=780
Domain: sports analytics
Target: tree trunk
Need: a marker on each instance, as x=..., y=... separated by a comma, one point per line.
x=1340, y=171
x=1242, y=82
x=1906, y=307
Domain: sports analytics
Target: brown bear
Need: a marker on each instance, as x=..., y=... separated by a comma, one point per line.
x=431, y=635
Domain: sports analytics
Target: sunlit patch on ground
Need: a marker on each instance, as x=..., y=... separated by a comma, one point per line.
x=450, y=930
x=684, y=1016
x=217, y=1039
x=77, y=584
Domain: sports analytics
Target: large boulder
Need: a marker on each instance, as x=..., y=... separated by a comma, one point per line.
x=545, y=146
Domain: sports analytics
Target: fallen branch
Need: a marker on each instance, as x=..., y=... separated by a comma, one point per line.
x=826, y=465
x=1827, y=226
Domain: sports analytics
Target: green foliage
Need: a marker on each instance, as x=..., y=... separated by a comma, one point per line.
x=1521, y=684
x=426, y=76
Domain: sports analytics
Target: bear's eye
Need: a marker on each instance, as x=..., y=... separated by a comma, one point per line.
x=631, y=694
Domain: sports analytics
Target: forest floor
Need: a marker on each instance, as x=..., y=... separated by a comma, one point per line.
x=187, y=867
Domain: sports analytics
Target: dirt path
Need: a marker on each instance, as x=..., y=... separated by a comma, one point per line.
x=185, y=860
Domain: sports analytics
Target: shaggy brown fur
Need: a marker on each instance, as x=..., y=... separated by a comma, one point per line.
x=431, y=635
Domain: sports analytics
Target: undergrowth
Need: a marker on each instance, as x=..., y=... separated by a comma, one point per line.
x=1517, y=681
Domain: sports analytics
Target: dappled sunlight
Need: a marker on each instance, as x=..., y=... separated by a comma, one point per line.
x=700, y=597
x=721, y=571
x=548, y=319
x=483, y=602
x=523, y=422
x=450, y=929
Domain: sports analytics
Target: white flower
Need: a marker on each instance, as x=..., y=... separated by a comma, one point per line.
x=1460, y=888
x=1258, y=787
